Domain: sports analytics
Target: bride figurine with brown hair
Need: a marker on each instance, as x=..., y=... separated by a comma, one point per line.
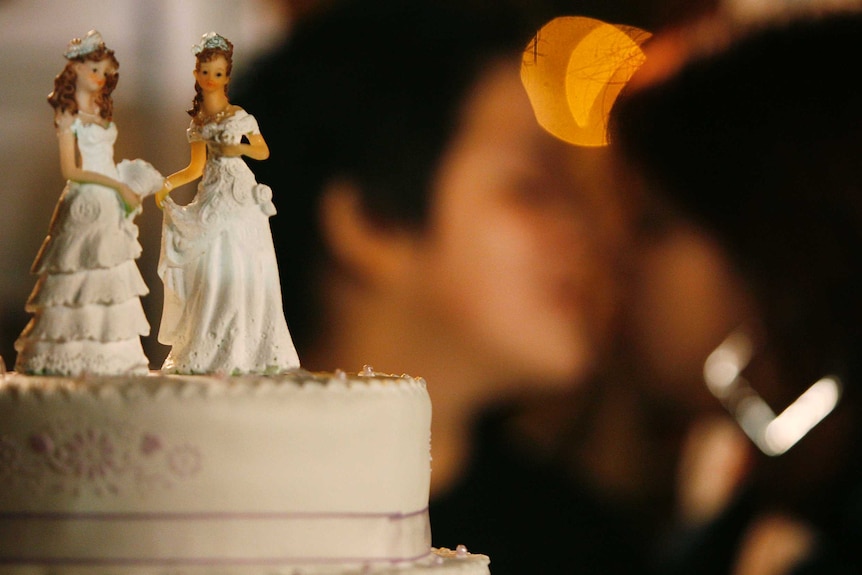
x=222, y=310
x=87, y=313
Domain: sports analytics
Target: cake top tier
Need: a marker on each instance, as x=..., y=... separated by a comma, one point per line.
x=297, y=442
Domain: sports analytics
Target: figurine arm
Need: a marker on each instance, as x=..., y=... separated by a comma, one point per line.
x=191, y=172
x=71, y=171
x=256, y=148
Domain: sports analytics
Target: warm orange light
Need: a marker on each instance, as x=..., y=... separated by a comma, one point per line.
x=573, y=71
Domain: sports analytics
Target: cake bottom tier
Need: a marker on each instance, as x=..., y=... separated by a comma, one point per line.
x=439, y=562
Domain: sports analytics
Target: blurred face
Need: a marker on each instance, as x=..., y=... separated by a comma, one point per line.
x=91, y=76
x=513, y=260
x=682, y=299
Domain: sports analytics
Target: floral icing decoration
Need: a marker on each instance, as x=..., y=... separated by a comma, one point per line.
x=100, y=459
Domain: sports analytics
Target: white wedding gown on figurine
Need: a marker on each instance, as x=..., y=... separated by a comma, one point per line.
x=223, y=310
x=87, y=313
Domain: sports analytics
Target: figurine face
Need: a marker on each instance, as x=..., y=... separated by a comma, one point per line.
x=512, y=257
x=212, y=76
x=91, y=76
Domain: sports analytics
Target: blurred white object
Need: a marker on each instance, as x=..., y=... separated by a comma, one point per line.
x=773, y=434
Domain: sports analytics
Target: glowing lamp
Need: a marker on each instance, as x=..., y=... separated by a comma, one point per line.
x=573, y=70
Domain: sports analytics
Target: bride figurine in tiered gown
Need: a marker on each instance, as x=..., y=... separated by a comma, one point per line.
x=87, y=313
x=222, y=311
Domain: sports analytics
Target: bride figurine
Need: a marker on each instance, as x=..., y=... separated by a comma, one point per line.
x=87, y=313
x=222, y=311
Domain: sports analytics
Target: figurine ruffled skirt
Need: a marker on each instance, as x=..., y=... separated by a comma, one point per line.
x=87, y=313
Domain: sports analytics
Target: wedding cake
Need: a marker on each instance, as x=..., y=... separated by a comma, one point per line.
x=108, y=468
x=293, y=474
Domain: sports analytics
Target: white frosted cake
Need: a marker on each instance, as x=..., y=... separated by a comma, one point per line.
x=293, y=474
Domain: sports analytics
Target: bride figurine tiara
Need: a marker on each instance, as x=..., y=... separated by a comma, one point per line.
x=81, y=47
x=211, y=40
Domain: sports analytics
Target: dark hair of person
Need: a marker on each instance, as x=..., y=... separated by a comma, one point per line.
x=759, y=142
x=369, y=93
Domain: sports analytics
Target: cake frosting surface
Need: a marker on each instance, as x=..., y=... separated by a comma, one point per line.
x=297, y=473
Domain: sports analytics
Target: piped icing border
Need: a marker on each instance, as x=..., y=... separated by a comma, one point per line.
x=157, y=385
